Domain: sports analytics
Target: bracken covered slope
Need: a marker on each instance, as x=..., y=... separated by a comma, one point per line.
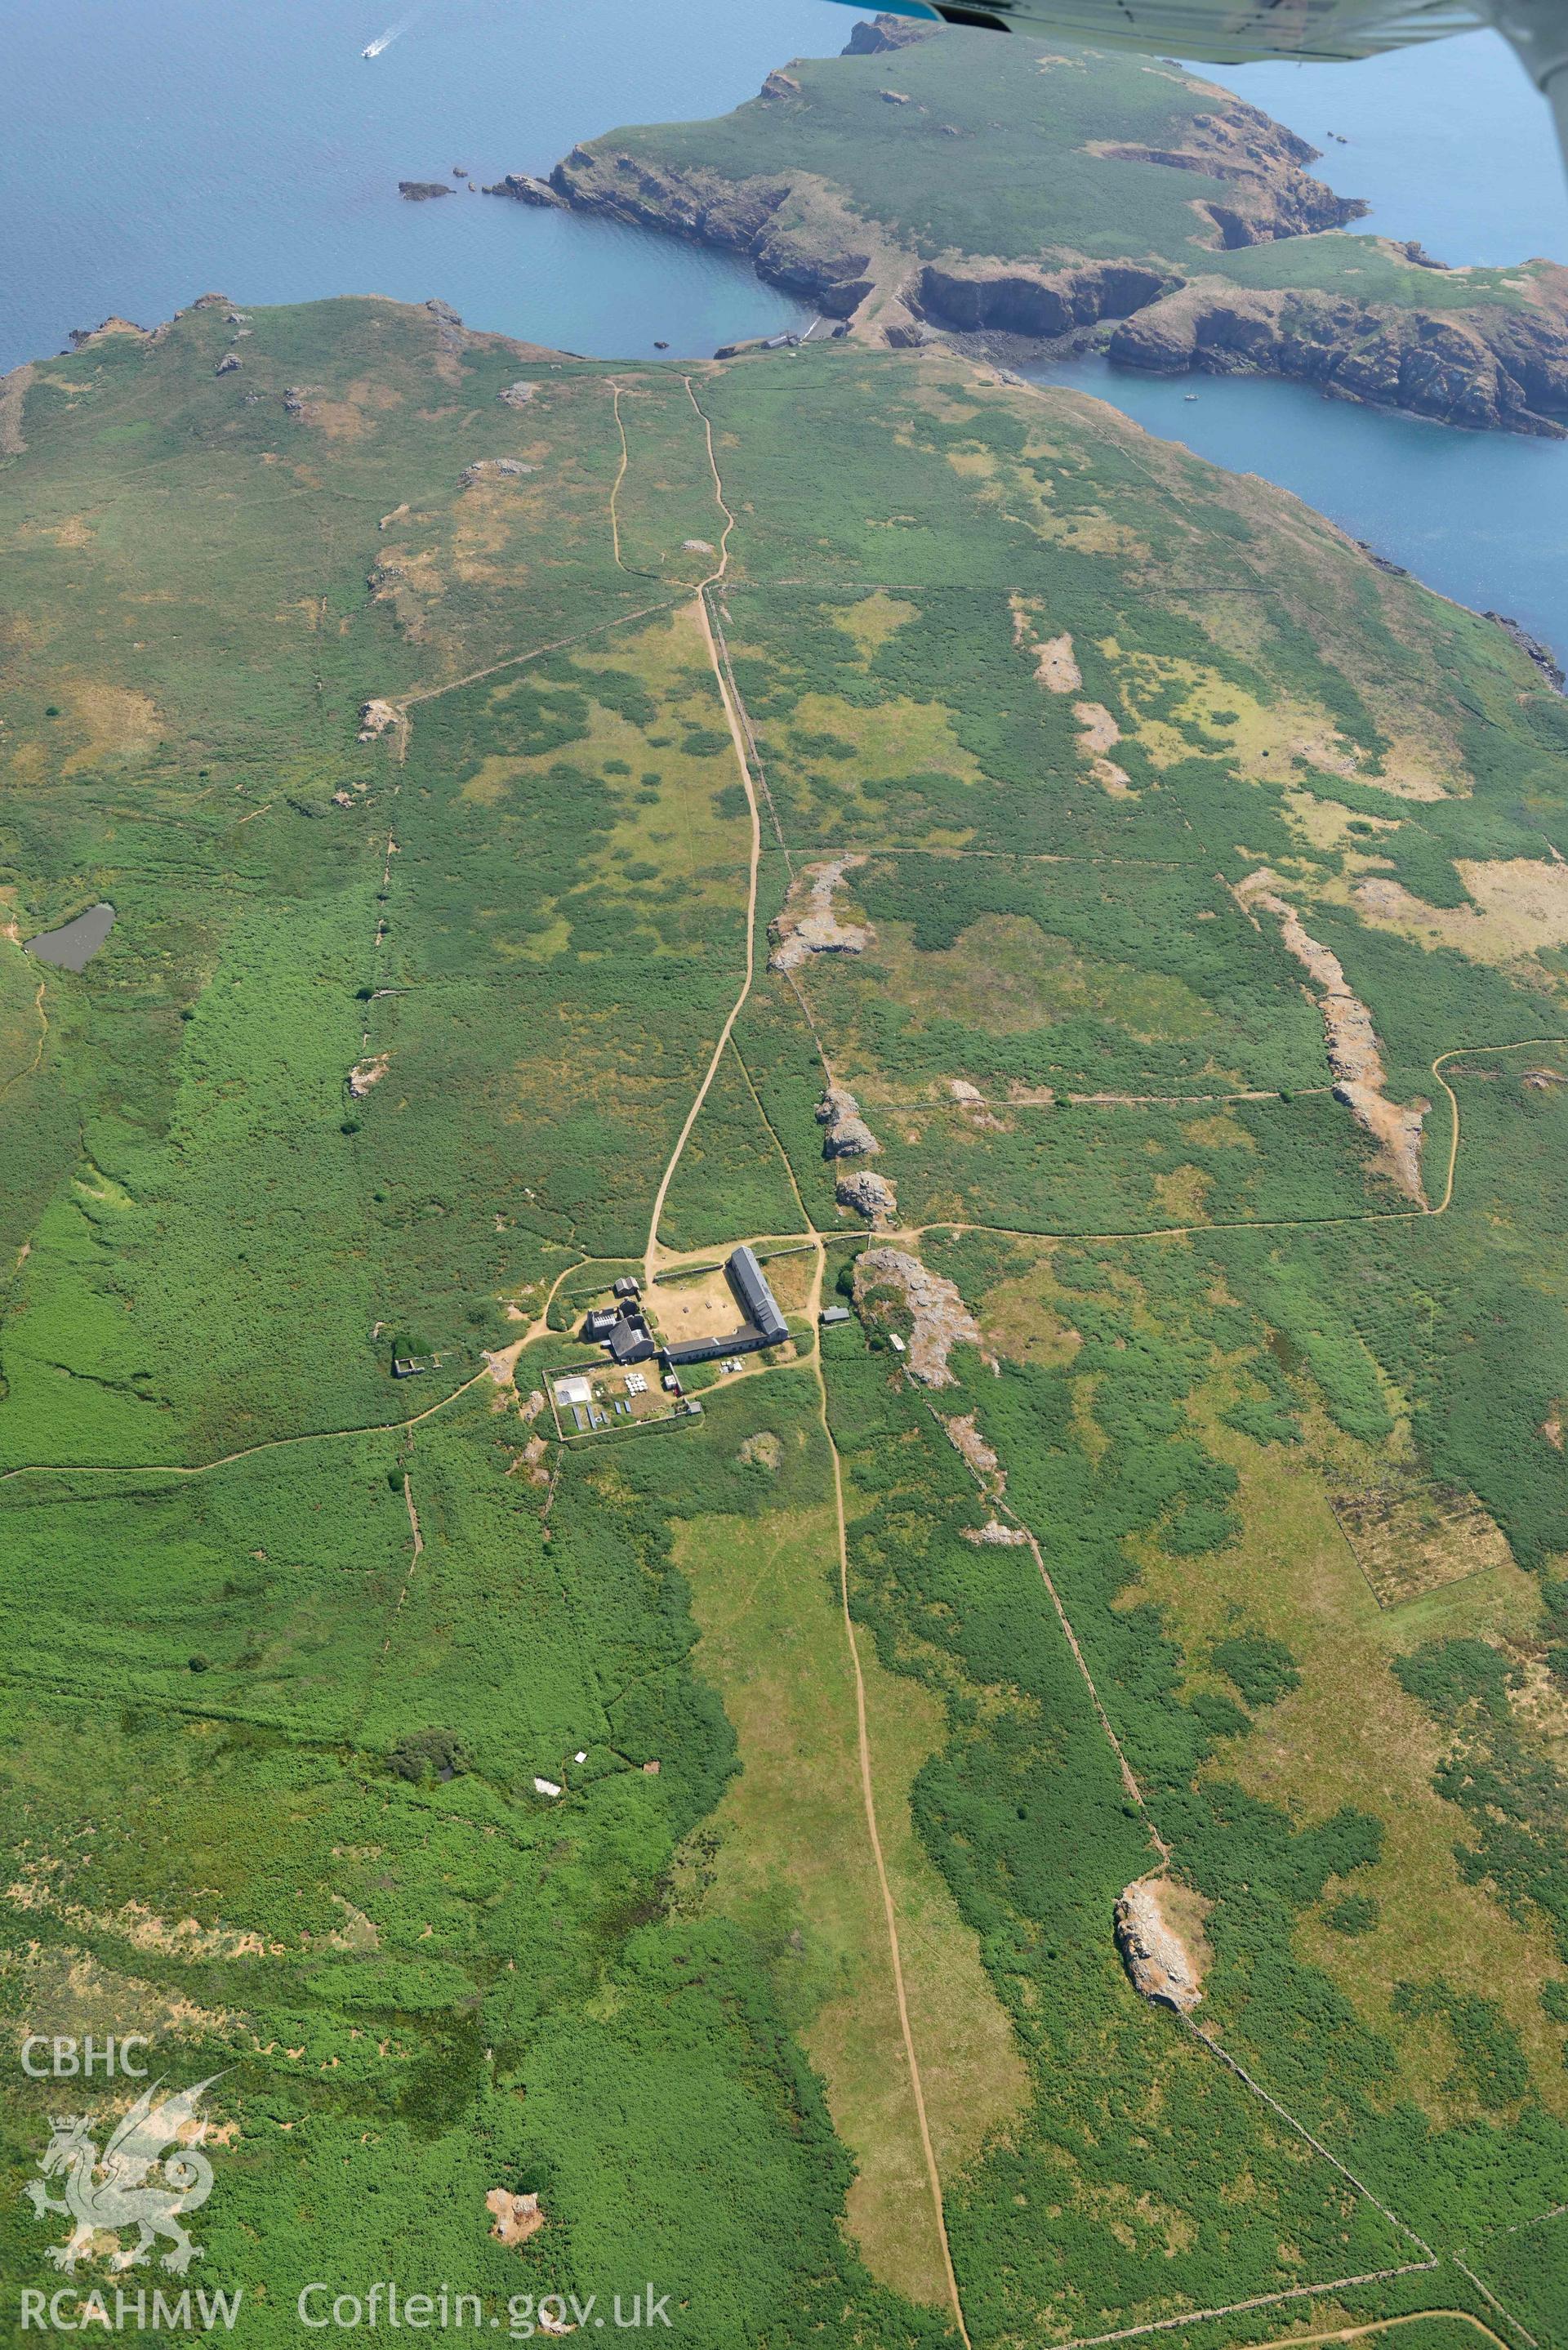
x=685, y=1855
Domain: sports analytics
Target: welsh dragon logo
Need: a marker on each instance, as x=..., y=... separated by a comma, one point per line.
x=109, y=2193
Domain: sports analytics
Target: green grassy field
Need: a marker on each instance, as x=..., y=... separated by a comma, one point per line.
x=392, y=1044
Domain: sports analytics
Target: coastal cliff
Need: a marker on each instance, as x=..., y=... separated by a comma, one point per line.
x=798, y=234
x=1124, y=206
x=1489, y=367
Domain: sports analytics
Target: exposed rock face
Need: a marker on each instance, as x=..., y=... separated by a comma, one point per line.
x=510, y=468
x=530, y=1461
x=515, y=2217
x=822, y=264
x=365, y=1074
x=523, y=188
x=994, y=1531
x=1154, y=1953
x=1055, y=666
x=1097, y=734
x=79, y=336
x=941, y=1319
x=1542, y=655
x=1262, y=161
x=868, y=1194
x=1018, y=299
x=1354, y=1056
x=1489, y=367
x=517, y=395
x=845, y=1133
x=808, y=924
x=227, y=364
x=420, y=191
x=375, y=717
x=886, y=33
x=964, y=1436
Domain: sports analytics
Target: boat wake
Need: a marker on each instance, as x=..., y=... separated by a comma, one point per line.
x=393, y=32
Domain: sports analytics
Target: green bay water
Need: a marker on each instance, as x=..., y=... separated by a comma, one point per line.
x=154, y=150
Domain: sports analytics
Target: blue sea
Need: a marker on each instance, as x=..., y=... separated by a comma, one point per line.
x=1448, y=143
x=154, y=150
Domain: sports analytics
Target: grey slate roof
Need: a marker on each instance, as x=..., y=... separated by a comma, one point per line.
x=752, y=1288
x=630, y=1342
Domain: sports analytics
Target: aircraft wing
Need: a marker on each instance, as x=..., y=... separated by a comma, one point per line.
x=1228, y=32
x=1240, y=32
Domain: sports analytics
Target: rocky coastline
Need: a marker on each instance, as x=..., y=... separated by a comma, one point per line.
x=1490, y=364
x=1489, y=369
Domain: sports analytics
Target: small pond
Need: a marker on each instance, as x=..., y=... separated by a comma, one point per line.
x=75, y=942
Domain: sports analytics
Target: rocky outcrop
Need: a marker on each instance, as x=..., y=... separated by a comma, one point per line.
x=484, y=468
x=80, y=336
x=1354, y=1056
x=870, y=1195
x=1056, y=666
x=809, y=925
x=964, y=1436
x=1020, y=299
x=994, y=1531
x=420, y=191
x=845, y=1133
x=1262, y=162
x=1155, y=1954
x=1532, y=647
x=940, y=1319
x=375, y=717
x=514, y=2217
x=523, y=188
x=817, y=263
x=1490, y=367
x=886, y=33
